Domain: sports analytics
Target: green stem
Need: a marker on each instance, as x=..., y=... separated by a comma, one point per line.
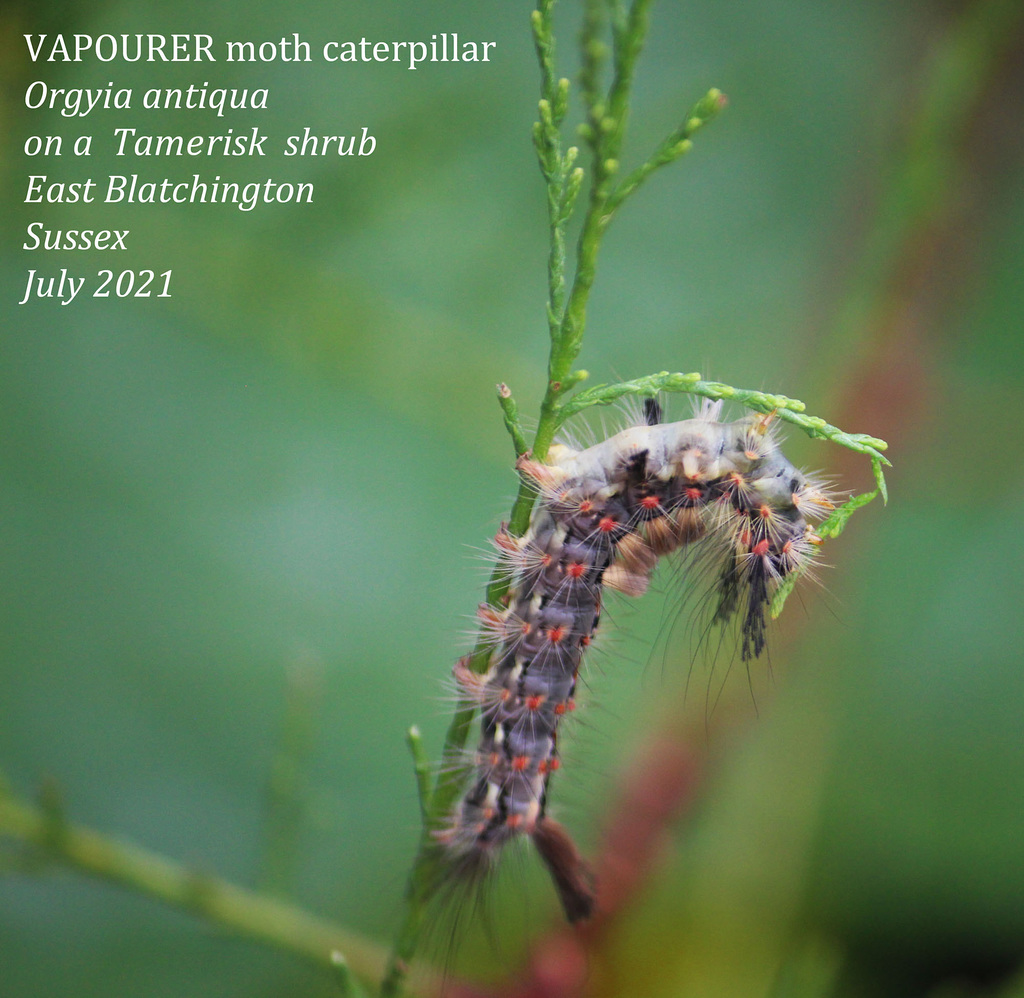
x=672, y=147
x=287, y=786
x=421, y=767
x=348, y=986
x=784, y=408
x=629, y=33
x=248, y=913
x=512, y=424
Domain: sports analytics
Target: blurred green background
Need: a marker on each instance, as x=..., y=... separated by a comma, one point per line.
x=279, y=478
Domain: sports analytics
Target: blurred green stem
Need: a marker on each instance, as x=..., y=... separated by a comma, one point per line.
x=287, y=788
x=249, y=913
x=348, y=986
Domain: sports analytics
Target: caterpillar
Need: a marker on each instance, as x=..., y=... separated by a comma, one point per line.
x=604, y=517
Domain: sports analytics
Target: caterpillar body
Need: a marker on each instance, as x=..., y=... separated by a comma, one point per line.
x=605, y=515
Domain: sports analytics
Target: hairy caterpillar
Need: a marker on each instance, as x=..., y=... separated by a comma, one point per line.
x=605, y=515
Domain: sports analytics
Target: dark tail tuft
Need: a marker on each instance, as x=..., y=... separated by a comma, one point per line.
x=573, y=878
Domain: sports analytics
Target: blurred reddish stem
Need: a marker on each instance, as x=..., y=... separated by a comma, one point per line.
x=653, y=792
